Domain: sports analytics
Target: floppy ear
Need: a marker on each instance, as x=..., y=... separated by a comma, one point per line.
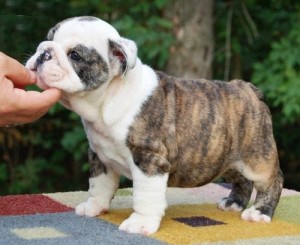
x=122, y=55
x=52, y=31
x=50, y=34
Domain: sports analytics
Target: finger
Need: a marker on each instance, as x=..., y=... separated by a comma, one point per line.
x=22, y=106
x=15, y=71
x=51, y=95
x=33, y=102
x=35, y=105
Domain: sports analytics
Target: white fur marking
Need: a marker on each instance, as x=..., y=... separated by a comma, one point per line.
x=149, y=202
x=102, y=189
x=247, y=172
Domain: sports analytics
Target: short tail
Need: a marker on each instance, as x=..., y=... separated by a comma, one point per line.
x=257, y=91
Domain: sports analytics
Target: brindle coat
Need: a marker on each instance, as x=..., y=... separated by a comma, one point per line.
x=197, y=130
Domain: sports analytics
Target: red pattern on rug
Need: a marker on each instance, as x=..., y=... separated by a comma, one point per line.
x=30, y=204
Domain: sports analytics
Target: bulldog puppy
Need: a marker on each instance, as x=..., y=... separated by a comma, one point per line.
x=156, y=129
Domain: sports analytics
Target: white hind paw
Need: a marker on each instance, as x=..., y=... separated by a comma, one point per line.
x=223, y=205
x=254, y=215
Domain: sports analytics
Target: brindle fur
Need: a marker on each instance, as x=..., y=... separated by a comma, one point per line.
x=241, y=189
x=197, y=129
x=90, y=68
x=96, y=166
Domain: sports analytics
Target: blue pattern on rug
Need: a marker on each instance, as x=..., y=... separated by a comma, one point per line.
x=75, y=229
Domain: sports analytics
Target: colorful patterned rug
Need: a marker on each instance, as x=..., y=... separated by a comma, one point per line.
x=192, y=218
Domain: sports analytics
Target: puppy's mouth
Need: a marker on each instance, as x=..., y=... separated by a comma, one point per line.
x=37, y=68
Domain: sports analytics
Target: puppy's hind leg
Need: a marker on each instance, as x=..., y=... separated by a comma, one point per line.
x=240, y=194
x=103, y=184
x=268, y=182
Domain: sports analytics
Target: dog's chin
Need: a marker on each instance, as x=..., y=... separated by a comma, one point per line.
x=41, y=84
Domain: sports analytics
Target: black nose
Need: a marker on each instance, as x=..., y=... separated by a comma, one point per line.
x=43, y=57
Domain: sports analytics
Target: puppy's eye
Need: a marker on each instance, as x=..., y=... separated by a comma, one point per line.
x=75, y=56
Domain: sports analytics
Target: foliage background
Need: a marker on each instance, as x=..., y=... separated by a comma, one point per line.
x=261, y=45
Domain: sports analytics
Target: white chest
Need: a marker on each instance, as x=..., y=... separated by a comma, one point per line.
x=110, y=146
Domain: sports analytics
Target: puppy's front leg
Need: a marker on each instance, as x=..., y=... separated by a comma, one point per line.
x=149, y=203
x=103, y=184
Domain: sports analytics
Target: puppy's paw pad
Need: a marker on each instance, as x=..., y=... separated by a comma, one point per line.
x=90, y=208
x=227, y=204
x=137, y=223
x=254, y=215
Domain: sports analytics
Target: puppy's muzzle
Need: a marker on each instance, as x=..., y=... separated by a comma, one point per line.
x=45, y=56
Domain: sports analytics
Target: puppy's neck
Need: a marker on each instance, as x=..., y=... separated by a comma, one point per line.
x=126, y=94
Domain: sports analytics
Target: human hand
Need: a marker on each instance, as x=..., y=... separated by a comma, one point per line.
x=18, y=106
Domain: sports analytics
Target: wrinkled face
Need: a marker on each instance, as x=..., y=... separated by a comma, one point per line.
x=82, y=54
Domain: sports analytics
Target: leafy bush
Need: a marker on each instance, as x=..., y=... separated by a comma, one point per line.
x=279, y=75
x=279, y=78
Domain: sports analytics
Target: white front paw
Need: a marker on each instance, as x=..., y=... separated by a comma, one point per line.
x=137, y=223
x=91, y=208
x=254, y=215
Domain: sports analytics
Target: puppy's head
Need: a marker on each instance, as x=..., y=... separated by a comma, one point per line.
x=81, y=54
